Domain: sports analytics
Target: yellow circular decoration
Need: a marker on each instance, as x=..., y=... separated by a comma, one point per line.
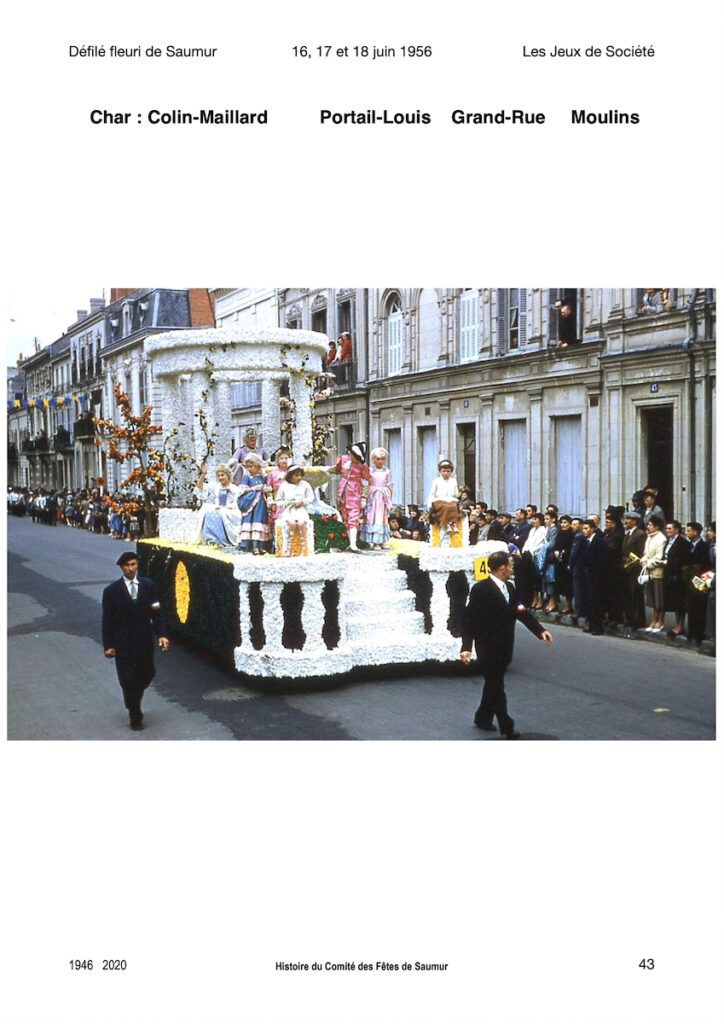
x=182, y=586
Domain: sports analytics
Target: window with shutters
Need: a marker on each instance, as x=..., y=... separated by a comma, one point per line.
x=563, y=324
x=246, y=395
x=512, y=319
x=344, y=318
x=394, y=338
x=319, y=321
x=469, y=325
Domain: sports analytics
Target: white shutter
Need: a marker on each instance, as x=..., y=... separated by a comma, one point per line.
x=515, y=465
x=522, y=317
x=394, y=447
x=568, y=464
x=502, y=319
x=394, y=343
x=428, y=444
x=468, y=325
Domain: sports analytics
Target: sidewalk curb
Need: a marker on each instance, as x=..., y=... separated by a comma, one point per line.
x=706, y=649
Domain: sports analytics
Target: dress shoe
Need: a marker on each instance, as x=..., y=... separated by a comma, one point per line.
x=137, y=724
x=512, y=735
x=481, y=723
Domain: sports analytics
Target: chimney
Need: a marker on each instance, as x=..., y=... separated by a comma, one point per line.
x=96, y=304
x=201, y=308
x=21, y=357
x=80, y=314
x=118, y=293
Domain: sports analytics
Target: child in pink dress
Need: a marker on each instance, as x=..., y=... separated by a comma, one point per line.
x=353, y=471
x=274, y=481
x=376, y=530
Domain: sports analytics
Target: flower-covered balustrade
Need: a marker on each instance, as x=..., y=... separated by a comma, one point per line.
x=303, y=617
x=308, y=618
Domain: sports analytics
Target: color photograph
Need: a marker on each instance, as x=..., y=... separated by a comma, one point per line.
x=325, y=513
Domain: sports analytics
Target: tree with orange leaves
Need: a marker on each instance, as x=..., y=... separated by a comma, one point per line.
x=132, y=442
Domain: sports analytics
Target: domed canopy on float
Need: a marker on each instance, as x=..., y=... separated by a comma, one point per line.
x=195, y=370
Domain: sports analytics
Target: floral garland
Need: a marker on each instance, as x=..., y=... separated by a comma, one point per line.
x=174, y=455
x=321, y=386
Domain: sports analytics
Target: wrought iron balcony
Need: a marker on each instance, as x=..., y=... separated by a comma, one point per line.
x=84, y=427
x=62, y=440
x=345, y=374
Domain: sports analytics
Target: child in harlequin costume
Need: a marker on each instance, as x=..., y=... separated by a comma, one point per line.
x=294, y=530
x=353, y=472
x=254, y=530
x=444, y=506
x=376, y=530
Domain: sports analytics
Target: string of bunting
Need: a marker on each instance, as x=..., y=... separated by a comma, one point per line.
x=52, y=402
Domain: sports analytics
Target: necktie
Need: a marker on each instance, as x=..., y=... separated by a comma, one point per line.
x=134, y=590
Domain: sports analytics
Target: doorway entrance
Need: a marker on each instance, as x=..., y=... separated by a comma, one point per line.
x=427, y=445
x=466, y=457
x=658, y=461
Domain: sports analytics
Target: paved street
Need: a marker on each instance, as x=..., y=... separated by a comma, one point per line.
x=61, y=687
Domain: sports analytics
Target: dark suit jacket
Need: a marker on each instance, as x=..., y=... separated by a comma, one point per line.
x=576, y=560
x=633, y=544
x=677, y=558
x=699, y=557
x=131, y=626
x=519, y=533
x=595, y=557
x=490, y=621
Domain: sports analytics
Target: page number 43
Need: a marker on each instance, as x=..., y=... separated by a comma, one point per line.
x=647, y=964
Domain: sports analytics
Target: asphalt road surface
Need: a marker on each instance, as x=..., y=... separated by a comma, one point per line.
x=61, y=687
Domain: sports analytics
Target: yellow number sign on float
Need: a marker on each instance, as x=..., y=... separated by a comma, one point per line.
x=482, y=571
x=183, y=592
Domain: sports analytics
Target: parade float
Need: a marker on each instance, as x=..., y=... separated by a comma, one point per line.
x=305, y=617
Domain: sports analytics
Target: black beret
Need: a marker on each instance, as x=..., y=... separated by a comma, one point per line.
x=127, y=556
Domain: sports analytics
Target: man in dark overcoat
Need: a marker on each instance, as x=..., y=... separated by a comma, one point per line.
x=132, y=619
x=595, y=555
x=696, y=600
x=577, y=569
x=489, y=622
x=634, y=541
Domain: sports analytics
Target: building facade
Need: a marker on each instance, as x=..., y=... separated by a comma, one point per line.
x=52, y=440
x=572, y=396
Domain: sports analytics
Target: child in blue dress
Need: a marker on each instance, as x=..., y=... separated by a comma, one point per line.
x=255, y=531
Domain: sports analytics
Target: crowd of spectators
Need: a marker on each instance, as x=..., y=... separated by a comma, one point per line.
x=86, y=509
x=602, y=572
